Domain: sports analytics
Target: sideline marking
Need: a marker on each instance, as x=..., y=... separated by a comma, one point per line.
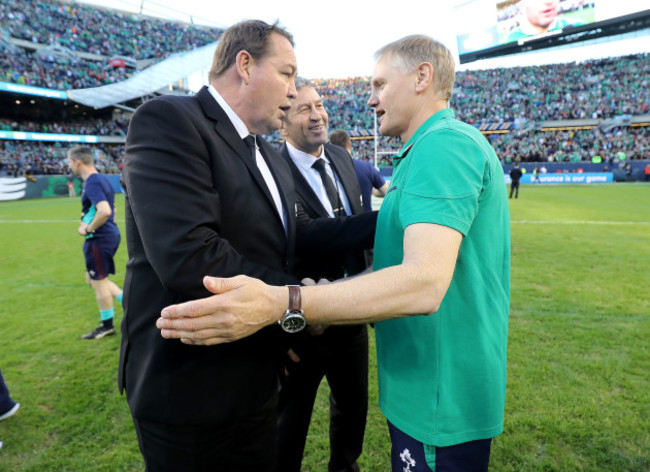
x=535, y=222
x=531, y=222
x=45, y=221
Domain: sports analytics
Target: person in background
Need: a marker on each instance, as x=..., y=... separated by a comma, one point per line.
x=538, y=17
x=515, y=178
x=370, y=180
x=327, y=187
x=439, y=293
x=206, y=194
x=535, y=177
x=8, y=407
x=101, y=236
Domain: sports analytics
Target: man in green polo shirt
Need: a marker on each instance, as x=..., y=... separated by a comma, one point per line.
x=538, y=17
x=439, y=292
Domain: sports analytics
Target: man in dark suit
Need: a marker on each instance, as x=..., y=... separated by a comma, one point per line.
x=327, y=186
x=204, y=196
x=515, y=176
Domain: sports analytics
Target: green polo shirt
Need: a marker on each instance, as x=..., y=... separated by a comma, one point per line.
x=442, y=377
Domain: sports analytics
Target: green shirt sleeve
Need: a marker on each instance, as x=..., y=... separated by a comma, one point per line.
x=444, y=181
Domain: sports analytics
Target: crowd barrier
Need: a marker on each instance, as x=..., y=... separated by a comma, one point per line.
x=618, y=172
x=44, y=186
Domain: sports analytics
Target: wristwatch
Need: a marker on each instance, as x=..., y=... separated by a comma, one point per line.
x=293, y=319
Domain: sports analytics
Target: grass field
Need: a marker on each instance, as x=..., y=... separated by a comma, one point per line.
x=579, y=358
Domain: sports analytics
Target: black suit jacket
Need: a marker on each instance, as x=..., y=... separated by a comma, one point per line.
x=196, y=204
x=314, y=264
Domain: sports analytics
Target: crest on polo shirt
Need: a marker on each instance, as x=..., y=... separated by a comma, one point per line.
x=405, y=455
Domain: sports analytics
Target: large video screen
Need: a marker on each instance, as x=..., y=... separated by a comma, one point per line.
x=484, y=24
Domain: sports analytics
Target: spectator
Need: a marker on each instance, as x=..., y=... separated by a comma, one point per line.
x=370, y=180
x=515, y=178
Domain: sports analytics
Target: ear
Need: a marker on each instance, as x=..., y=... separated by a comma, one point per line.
x=243, y=63
x=423, y=77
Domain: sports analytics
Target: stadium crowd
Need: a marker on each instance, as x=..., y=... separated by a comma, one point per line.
x=54, y=72
x=39, y=158
x=84, y=29
x=595, y=89
x=83, y=126
x=630, y=143
x=583, y=145
x=98, y=31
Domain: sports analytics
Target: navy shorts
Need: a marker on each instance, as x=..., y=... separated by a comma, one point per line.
x=410, y=455
x=99, y=253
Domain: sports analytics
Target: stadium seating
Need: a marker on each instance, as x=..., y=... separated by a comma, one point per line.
x=90, y=29
x=40, y=158
x=68, y=46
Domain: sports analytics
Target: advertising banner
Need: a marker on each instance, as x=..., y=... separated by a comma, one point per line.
x=44, y=186
x=568, y=178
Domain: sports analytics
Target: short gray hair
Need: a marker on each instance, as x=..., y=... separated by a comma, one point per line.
x=82, y=154
x=302, y=82
x=411, y=51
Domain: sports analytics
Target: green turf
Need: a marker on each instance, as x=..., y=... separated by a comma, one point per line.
x=578, y=382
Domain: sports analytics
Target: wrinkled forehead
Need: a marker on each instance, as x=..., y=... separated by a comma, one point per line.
x=306, y=94
x=388, y=65
x=306, y=97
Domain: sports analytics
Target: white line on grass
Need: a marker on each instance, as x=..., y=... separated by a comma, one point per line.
x=45, y=221
x=535, y=222
x=531, y=222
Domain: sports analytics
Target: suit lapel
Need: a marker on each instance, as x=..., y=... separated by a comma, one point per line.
x=303, y=189
x=348, y=177
x=225, y=129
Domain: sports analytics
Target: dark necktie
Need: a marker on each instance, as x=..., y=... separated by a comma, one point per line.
x=250, y=143
x=332, y=194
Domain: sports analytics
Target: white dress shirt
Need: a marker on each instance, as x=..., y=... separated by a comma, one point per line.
x=304, y=162
x=242, y=130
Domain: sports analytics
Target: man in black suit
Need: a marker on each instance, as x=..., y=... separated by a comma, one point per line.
x=205, y=196
x=515, y=176
x=327, y=186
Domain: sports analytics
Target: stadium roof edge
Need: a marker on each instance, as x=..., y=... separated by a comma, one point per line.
x=147, y=81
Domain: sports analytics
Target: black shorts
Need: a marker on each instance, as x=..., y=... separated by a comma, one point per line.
x=99, y=253
x=410, y=454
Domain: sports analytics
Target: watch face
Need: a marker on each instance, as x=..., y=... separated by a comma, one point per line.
x=293, y=323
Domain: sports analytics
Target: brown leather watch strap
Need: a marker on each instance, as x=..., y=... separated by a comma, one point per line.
x=295, y=303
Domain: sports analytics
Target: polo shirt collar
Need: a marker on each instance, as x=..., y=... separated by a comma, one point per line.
x=441, y=115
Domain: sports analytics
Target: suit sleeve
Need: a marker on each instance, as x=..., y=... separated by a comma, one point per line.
x=335, y=235
x=175, y=206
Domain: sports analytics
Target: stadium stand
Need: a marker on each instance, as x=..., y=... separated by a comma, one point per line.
x=93, y=30
x=39, y=158
x=594, y=112
x=596, y=89
x=99, y=126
